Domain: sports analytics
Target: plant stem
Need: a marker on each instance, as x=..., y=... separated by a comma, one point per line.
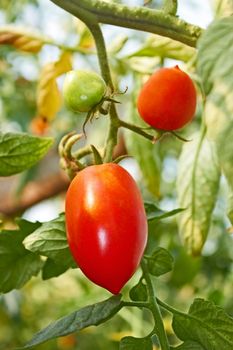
x=111, y=140
x=112, y=134
x=140, y=18
x=169, y=308
x=101, y=52
x=136, y=304
x=136, y=129
x=155, y=309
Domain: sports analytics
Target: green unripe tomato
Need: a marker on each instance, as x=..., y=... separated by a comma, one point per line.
x=82, y=90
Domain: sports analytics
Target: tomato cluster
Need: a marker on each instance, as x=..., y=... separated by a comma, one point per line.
x=105, y=217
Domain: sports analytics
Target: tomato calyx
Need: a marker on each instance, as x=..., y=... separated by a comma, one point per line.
x=70, y=159
x=67, y=159
x=102, y=107
x=163, y=133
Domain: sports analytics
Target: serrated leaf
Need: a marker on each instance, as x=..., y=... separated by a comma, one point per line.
x=50, y=240
x=153, y=212
x=160, y=262
x=48, y=95
x=19, y=151
x=215, y=66
x=138, y=292
x=91, y=315
x=157, y=45
x=131, y=343
x=145, y=153
x=197, y=188
x=206, y=324
x=21, y=38
x=17, y=265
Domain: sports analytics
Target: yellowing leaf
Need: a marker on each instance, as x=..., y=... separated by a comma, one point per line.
x=197, y=188
x=21, y=39
x=49, y=100
x=86, y=40
x=48, y=95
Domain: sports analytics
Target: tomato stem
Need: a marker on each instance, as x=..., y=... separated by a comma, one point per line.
x=159, y=327
x=136, y=304
x=112, y=134
x=137, y=17
x=101, y=52
x=137, y=129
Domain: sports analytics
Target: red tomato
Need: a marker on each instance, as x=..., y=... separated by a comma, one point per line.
x=167, y=101
x=106, y=224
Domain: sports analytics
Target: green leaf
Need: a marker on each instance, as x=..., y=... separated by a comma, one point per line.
x=139, y=292
x=52, y=269
x=131, y=343
x=215, y=66
x=19, y=152
x=17, y=265
x=190, y=268
x=189, y=345
x=143, y=150
x=160, y=262
x=206, y=324
x=153, y=212
x=157, y=45
x=50, y=240
x=91, y=315
x=215, y=51
x=197, y=188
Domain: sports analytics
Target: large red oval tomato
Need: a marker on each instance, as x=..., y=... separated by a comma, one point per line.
x=106, y=224
x=167, y=101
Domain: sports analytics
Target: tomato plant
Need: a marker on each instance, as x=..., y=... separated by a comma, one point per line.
x=167, y=101
x=106, y=224
x=82, y=90
x=104, y=227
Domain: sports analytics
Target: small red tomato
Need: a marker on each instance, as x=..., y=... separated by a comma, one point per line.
x=167, y=101
x=106, y=224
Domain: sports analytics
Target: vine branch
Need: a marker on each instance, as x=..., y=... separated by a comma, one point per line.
x=139, y=18
x=159, y=327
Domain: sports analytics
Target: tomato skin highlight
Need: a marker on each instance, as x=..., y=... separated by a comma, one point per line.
x=106, y=224
x=167, y=101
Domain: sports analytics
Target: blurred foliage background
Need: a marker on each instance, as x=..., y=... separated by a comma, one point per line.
x=132, y=56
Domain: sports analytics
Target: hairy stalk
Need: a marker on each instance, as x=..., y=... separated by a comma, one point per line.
x=159, y=327
x=137, y=130
x=105, y=71
x=101, y=52
x=139, y=18
x=112, y=134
